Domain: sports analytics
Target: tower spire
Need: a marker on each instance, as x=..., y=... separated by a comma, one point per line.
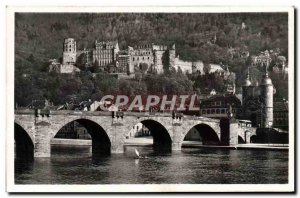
x=248, y=74
x=247, y=80
x=266, y=71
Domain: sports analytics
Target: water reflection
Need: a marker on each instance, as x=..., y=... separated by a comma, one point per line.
x=194, y=166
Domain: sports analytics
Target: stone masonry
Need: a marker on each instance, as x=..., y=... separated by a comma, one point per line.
x=42, y=129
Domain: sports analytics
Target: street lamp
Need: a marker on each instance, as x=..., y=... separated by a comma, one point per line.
x=269, y=125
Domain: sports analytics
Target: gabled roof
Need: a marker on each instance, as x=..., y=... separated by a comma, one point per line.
x=227, y=99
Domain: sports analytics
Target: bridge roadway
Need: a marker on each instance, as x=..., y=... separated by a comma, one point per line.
x=33, y=134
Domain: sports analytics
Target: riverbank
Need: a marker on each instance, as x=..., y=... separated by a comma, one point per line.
x=61, y=141
x=148, y=141
x=194, y=144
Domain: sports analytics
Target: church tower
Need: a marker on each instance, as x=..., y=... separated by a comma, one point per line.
x=246, y=88
x=267, y=91
x=69, y=51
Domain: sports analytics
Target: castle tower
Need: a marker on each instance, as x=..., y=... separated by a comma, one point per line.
x=267, y=100
x=246, y=88
x=69, y=51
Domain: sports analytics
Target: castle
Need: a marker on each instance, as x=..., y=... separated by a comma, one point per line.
x=69, y=58
x=151, y=56
x=107, y=56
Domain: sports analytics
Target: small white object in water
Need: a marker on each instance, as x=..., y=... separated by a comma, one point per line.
x=137, y=153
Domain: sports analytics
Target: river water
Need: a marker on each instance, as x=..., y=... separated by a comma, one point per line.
x=72, y=165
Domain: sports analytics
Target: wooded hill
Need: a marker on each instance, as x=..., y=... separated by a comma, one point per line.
x=207, y=37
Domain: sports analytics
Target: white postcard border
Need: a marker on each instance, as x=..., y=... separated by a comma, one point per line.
x=11, y=187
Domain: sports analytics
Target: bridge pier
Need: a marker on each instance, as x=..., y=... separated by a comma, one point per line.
x=176, y=146
x=234, y=137
x=117, y=138
x=117, y=147
x=247, y=137
x=229, y=132
x=42, y=145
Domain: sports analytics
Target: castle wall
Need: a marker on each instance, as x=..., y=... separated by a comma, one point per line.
x=185, y=66
x=64, y=69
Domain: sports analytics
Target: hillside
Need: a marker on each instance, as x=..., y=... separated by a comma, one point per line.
x=39, y=37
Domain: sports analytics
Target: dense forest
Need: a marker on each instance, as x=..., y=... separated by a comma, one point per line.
x=206, y=37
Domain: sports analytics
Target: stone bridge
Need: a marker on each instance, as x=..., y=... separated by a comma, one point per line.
x=33, y=134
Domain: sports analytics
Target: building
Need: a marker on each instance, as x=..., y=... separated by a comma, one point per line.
x=263, y=59
x=141, y=55
x=281, y=115
x=69, y=51
x=158, y=51
x=218, y=106
x=123, y=64
x=230, y=88
x=55, y=66
x=69, y=58
x=139, y=130
x=257, y=101
x=105, y=53
x=150, y=56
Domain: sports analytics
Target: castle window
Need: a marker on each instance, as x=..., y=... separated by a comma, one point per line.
x=222, y=111
x=203, y=111
x=218, y=111
x=132, y=58
x=208, y=111
x=143, y=58
x=148, y=57
x=212, y=111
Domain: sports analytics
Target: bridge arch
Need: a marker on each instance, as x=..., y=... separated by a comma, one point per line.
x=28, y=130
x=162, y=139
x=253, y=139
x=241, y=139
x=207, y=134
x=101, y=143
x=24, y=146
